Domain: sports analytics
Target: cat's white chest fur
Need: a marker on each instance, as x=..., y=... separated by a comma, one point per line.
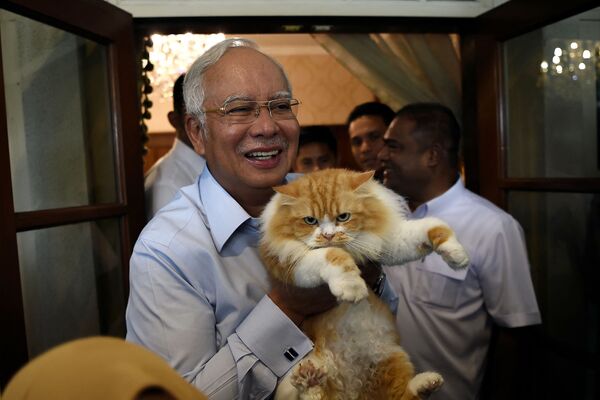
x=361, y=324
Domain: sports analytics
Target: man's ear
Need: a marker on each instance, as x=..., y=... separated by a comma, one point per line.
x=195, y=133
x=435, y=154
x=174, y=120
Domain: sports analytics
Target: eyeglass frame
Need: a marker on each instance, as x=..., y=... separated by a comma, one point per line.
x=260, y=104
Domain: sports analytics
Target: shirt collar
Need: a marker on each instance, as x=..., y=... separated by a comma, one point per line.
x=436, y=204
x=223, y=213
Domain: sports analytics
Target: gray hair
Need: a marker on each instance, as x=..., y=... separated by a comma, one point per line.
x=193, y=85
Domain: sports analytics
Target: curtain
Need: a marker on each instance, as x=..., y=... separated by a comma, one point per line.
x=402, y=68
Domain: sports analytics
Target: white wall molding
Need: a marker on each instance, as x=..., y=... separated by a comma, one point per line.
x=365, y=8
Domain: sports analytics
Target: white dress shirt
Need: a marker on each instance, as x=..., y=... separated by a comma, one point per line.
x=444, y=316
x=178, y=168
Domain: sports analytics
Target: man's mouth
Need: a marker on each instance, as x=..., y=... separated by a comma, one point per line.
x=262, y=155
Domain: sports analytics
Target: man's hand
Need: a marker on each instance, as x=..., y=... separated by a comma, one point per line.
x=370, y=272
x=298, y=303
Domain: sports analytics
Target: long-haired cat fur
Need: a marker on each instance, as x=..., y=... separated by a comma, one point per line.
x=316, y=230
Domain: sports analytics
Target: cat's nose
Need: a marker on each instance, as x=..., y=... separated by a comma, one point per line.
x=328, y=236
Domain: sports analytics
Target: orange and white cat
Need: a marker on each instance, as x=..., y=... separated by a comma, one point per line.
x=316, y=230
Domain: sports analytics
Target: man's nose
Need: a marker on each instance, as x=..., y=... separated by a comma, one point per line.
x=383, y=153
x=264, y=124
x=365, y=147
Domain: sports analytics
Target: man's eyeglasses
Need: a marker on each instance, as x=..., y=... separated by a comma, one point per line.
x=246, y=111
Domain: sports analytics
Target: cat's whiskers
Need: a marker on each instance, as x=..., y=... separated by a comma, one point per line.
x=367, y=247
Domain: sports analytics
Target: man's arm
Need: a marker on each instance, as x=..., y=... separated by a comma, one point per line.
x=175, y=320
x=505, y=278
x=510, y=299
x=300, y=303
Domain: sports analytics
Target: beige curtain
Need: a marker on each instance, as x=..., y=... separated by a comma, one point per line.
x=402, y=68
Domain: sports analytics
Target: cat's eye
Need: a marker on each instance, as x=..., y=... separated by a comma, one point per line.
x=310, y=220
x=343, y=217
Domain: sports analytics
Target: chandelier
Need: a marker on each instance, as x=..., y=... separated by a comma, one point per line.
x=574, y=60
x=171, y=55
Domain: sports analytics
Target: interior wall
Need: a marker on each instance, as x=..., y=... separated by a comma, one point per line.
x=327, y=90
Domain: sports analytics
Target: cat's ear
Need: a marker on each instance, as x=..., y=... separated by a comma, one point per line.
x=288, y=190
x=359, y=179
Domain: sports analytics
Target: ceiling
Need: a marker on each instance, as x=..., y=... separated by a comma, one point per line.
x=365, y=8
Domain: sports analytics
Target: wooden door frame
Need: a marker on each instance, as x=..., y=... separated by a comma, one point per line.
x=292, y=24
x=86, y=18
x=485, y=136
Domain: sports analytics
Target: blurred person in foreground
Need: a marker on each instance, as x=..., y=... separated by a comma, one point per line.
x=99, y=368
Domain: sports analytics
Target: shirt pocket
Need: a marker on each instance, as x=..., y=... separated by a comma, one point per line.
x=437, y=284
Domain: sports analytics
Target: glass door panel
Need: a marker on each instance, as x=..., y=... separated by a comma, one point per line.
x=563, y=236
x=71, y=167
x=59, y=116
x=72, y=282
x=552, y=92
x=551, y=80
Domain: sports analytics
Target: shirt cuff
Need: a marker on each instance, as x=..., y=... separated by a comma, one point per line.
x=273, y=337
x=518, y=320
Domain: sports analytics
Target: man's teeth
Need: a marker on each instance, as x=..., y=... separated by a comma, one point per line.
x=263, y=155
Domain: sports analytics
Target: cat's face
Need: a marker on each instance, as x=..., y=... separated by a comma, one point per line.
x=328, y=208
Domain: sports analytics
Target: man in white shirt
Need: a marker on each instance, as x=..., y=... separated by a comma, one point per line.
x=199, y=294
x=445, y=317
x=179, y=167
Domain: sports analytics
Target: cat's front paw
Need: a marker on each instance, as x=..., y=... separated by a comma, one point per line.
x=425, y=383
x=453, y=253
x=351, y=288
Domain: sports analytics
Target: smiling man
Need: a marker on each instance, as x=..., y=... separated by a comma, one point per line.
x=200, y=296
x=444, y=317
